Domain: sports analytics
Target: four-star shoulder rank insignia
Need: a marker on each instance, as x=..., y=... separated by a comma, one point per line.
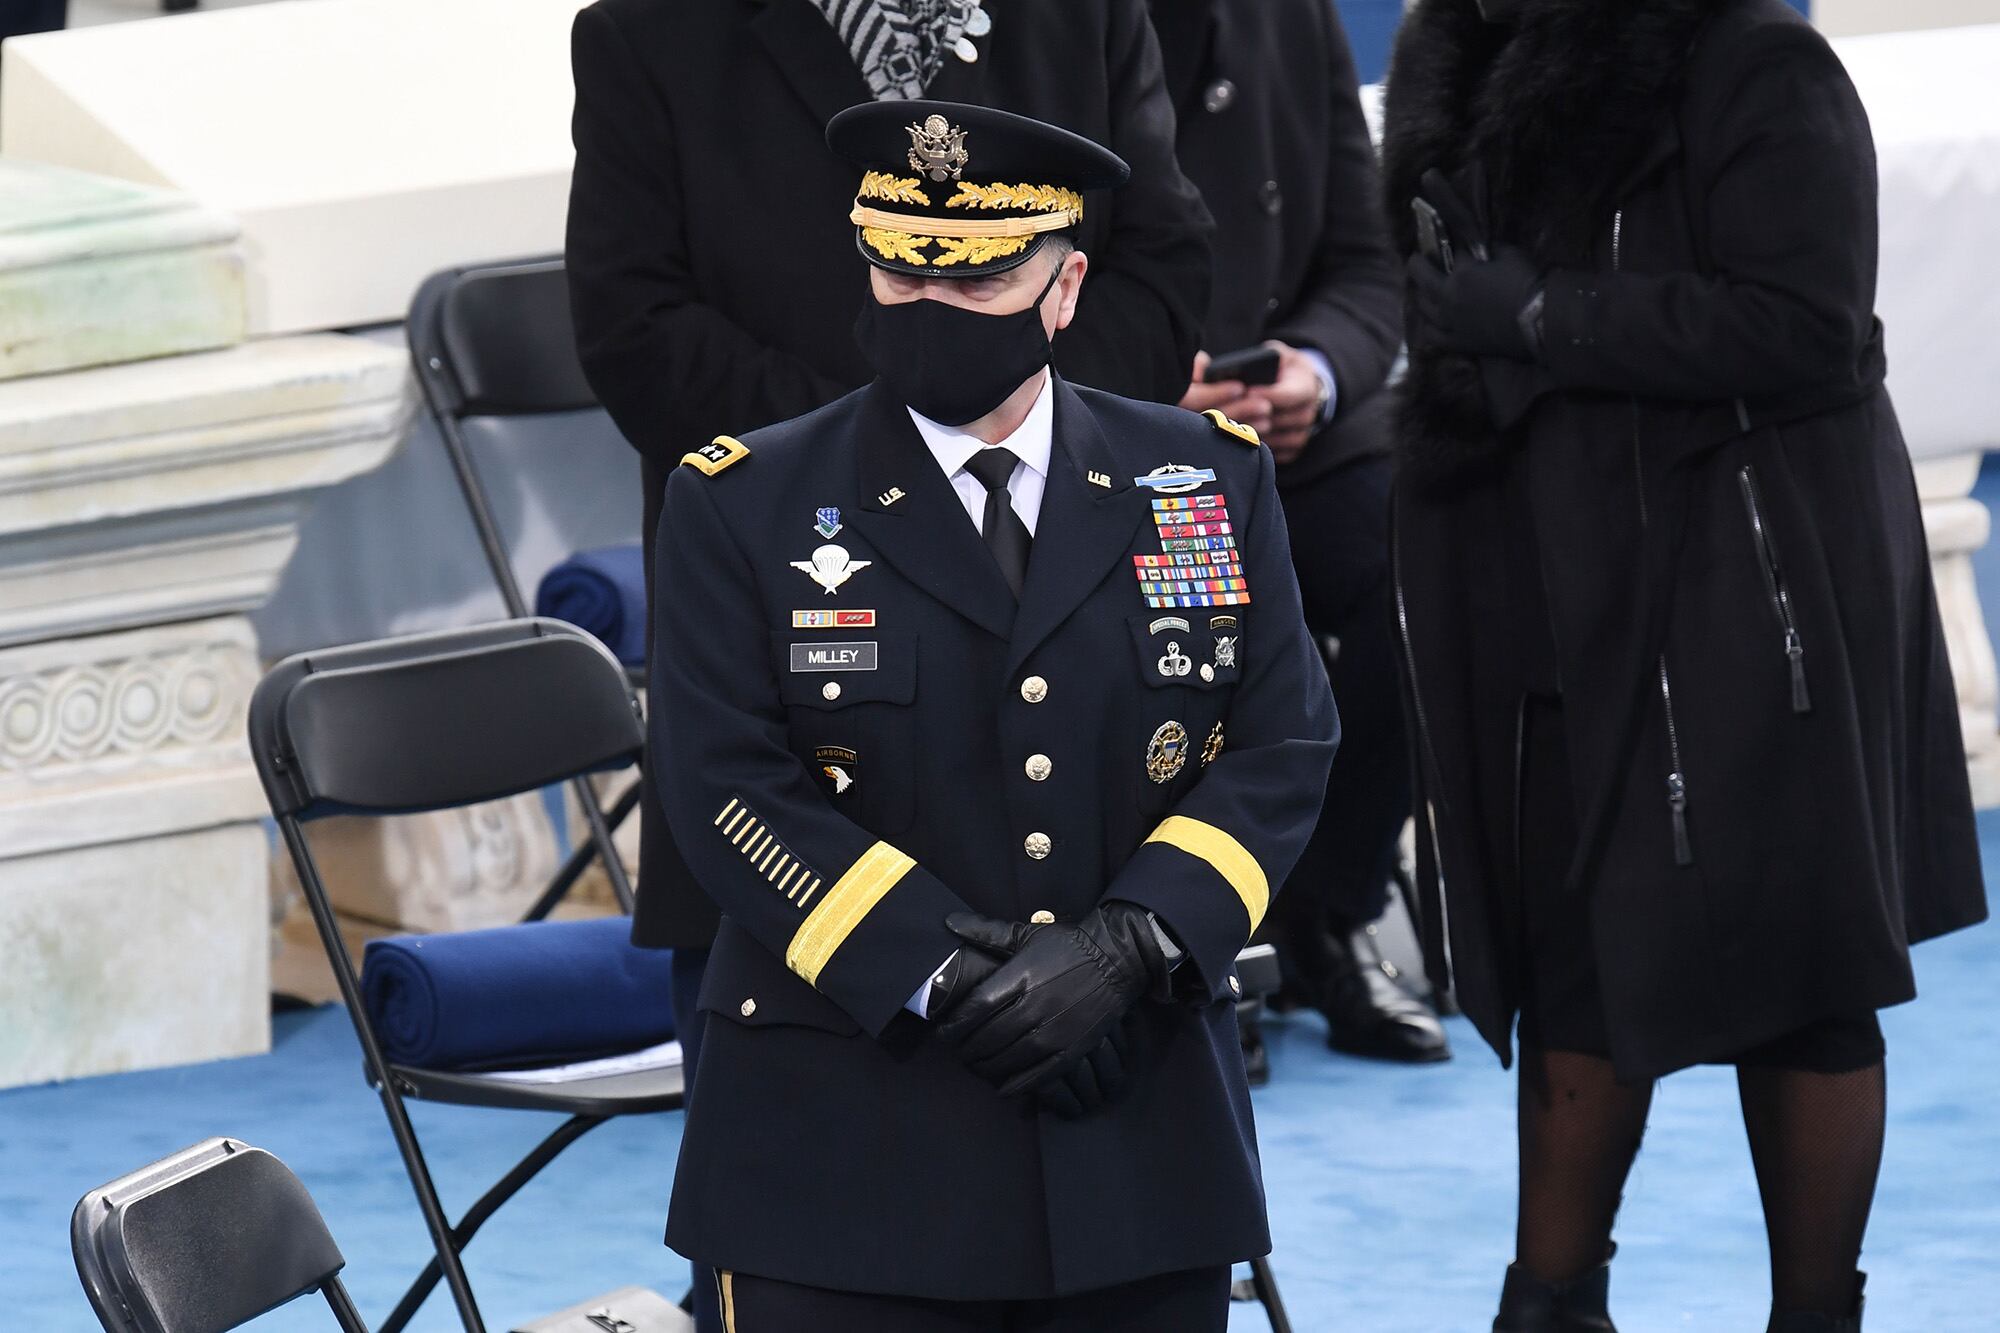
x=725, y=452
x=1247, y=434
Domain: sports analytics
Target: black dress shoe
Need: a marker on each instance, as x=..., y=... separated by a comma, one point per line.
x=1800, y=1321
x=1530, y=1305
x=1368, y=1014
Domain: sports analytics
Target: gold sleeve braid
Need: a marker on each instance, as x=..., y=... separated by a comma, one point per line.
x=1229, y=858
x=844, y=907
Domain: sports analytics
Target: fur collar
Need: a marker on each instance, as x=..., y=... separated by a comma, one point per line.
x=1559, y=110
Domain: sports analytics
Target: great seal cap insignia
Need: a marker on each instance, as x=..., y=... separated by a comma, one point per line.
x=937, y=148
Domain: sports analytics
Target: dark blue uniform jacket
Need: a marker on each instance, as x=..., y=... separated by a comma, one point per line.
x=854, y=743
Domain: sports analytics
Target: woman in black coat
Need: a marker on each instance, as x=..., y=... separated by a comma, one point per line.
x=1687, y=736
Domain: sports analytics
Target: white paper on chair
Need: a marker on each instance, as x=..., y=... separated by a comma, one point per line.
x=664, y=1056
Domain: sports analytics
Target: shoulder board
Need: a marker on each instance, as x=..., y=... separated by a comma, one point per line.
x=726, y=452
x=1247, y=434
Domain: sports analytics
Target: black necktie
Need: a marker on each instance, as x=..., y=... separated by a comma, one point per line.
x=1006, y=535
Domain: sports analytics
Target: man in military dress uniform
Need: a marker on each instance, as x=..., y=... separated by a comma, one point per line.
x=984, y=707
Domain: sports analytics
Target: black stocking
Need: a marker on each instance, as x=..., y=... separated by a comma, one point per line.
x=1817, y=1143
x=1580, y=1129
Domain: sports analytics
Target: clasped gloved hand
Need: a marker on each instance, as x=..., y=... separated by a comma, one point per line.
x=1490, y=304
x=1062, y=991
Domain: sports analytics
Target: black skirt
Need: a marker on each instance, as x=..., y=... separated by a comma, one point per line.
x=1562, y=999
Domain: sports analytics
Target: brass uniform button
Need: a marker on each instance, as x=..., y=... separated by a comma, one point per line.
x=1034, y=689
x=830, y=691
x=1039, y=767
x=1042, y=918
x=748, y=1008
x=1038, y=846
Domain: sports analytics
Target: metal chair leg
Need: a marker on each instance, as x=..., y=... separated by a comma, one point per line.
x=1266, y=1287
x=489, y=1203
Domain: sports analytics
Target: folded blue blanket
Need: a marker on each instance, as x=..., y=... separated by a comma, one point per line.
x=604, y=592
x=547, y=992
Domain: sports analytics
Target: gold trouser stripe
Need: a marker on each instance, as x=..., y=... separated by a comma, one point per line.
x=852, y=897
x=1229, y=857
x=960, y=228
x=728, y=1301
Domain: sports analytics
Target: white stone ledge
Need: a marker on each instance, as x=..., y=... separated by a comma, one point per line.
x=172, y=489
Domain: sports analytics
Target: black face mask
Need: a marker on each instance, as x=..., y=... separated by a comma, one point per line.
x=952, y=364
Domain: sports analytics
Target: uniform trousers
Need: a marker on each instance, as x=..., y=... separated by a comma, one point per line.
x=1339, y=527
x=1195, y=1301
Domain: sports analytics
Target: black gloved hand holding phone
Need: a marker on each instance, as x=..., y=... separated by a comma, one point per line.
x=1465, y=294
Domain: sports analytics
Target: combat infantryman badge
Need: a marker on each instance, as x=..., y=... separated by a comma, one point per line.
x=828, y=522
x=937, y=148
x=830, y=567
x=1166, y=753
x=1174, y=478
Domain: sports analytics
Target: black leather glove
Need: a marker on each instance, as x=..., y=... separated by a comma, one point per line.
x=1490, y=308
x=1094, y=1081
x=1057, y=997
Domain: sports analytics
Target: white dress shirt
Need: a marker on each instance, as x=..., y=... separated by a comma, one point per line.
x=1033, y=442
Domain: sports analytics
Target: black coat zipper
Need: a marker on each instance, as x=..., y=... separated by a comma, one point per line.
x=1677, y=792
x=1774, y=585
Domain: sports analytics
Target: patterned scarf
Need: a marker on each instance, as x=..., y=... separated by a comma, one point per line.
x=898, y=45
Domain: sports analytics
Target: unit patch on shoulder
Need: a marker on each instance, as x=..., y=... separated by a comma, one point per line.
x=1247, y=434
x=726, y=452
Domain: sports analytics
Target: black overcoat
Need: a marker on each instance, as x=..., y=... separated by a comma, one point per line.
x=1271, y=130
x=1764, y=734
x=1012, y=757
x=714, y=279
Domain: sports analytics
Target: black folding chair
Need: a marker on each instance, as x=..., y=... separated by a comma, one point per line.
x=493, y=342
x=204, y=1241
x=430, y=722
x=1258, y=974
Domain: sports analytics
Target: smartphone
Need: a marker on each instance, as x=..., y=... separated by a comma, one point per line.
x=1252, y=365
x=1433, y=240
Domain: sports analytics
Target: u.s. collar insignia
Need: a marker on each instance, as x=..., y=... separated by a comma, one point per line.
x=830, y=567
x=890, y=496
x=1097, y=478
x=827, y=522
x=937, y=148
x=1166, y=753
x=1173, y=478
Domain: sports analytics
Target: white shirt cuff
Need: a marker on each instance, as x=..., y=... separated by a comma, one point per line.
x=1324, y=369
x=920, y=1003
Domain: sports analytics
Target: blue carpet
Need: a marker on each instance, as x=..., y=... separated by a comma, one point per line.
x=1391, y=1189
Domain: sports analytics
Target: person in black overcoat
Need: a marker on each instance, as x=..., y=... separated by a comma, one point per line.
x=1688, y=740
x=1271, y=130
x=712, y=294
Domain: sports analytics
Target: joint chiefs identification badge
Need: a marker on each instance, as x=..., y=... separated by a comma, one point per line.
x=838, y=766
x=1167, y=752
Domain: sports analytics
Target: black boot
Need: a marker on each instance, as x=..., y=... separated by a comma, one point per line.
x=1530, y=1305
x=1367, y=1013
x=1800, y=1321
